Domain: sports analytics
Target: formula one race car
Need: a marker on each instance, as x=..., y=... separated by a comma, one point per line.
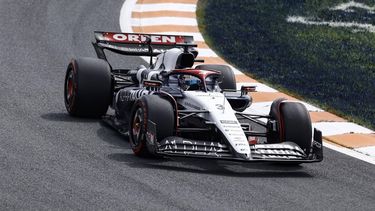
x=172, y=109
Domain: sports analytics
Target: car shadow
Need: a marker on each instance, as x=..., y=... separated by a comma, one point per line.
x=112, y=137
x=105, y=133
x=213, y=167
x=181, y=164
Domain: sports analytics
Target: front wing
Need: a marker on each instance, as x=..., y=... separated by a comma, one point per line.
x=178, y=146
x=281, y=152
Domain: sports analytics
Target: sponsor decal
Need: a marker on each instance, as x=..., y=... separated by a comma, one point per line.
x=152, y=83
x=170, y=145
x=137, y=49
x=240, y=144
x=150, y=137
x=132, y=95
x=134, y=50
x=233, y=130
x=142, y=38
x=228, y=121
x=189, y=147
x=317, y=144
x=252, y=140
x=231, y=126
x=235, y=134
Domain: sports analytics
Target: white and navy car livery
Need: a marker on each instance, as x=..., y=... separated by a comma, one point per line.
x=171, y=108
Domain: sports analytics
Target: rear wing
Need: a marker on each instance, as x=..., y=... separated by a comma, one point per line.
x=138, y=44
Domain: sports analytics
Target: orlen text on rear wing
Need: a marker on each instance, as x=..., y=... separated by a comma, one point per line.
x=138, y=44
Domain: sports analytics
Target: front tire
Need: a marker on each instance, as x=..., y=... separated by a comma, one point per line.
x=294, y=123
x=157, y=110
x=88, y=87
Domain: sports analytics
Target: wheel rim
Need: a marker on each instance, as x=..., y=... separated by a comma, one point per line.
x=69, y=88
x=137, y=127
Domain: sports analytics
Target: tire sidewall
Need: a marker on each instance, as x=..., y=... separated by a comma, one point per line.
x=157, y=110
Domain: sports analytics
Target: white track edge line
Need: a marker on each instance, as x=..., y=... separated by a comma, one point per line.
x=164, y=21
x=126, y=15
x=164, y=6
x=350, y=152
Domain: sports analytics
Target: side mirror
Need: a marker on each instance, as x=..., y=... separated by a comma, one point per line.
x=247, y=89
x=185, y=60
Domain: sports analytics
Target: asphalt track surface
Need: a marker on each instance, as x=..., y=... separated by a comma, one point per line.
x=49, y=160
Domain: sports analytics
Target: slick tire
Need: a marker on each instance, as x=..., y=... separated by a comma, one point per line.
x=88, y=87
x=228, y=77
x=294, y=123
x=157, y=110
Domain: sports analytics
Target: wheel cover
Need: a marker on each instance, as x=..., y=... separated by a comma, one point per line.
x=137, y=127
x=70, y=88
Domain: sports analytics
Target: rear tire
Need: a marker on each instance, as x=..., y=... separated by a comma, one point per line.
x=294, y=123
x=159, y=111
x=228, y=77
x=88, y=87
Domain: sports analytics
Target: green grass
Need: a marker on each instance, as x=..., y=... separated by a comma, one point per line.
x=331, y=67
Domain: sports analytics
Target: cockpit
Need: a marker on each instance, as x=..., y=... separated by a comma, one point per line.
x=194, y=80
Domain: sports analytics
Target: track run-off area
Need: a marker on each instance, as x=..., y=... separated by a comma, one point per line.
x=49, y=160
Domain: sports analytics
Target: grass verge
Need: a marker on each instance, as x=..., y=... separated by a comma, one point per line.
x=327, y=65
